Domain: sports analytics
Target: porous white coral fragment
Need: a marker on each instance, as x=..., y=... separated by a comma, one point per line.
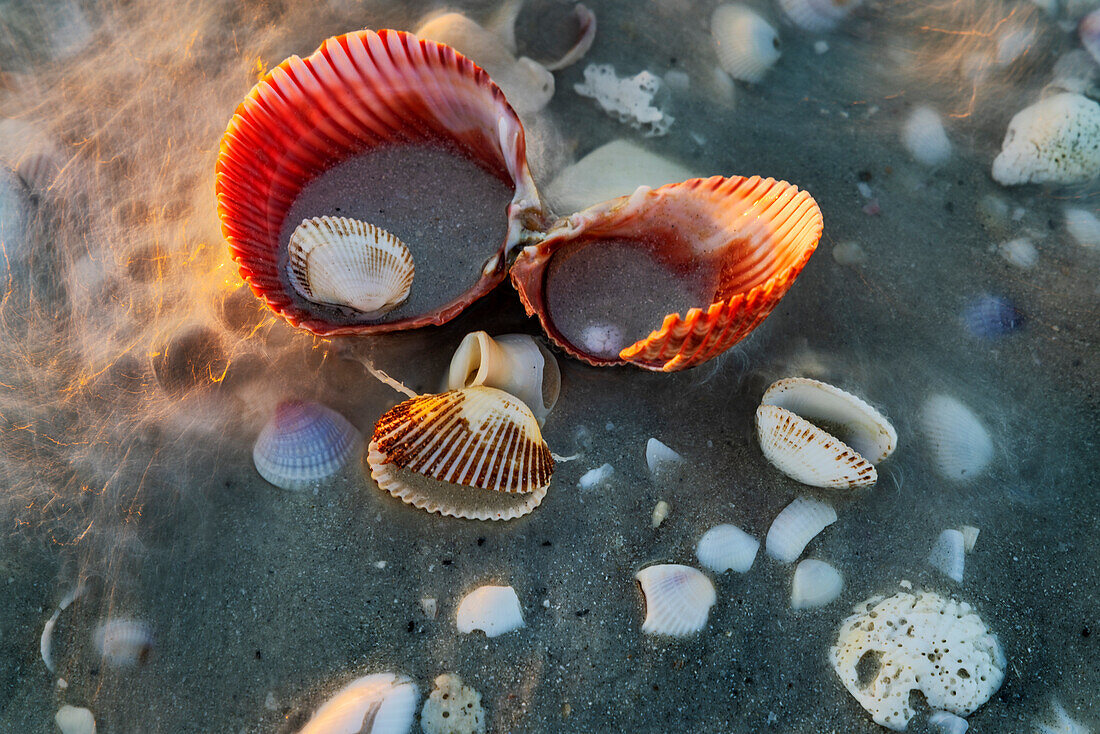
x=452, y=708
x=628, y=100
x=917, y=642
x=1055, y=140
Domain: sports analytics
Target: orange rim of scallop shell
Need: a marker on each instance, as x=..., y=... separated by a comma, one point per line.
x=359, y=92
x=761, y=232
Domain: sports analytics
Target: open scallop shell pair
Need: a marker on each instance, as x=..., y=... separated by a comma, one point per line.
x=733, y=246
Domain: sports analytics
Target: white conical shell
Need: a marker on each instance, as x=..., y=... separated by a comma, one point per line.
x=747, y=45
x=304, y=443
x=727, y=548
x=869, y=432
x=514, y=363
x=345, y=262
x=948, y=554
x=815, y=584
x=795, y=526
x=122, y=642
x=73, y=720
x=817, y=16
x=494, y=610
x=808, y=454
x=660, y=458
x=677, y=599
x=961, y=446
x=383, y=703
x=923, y=135
x=475, y=453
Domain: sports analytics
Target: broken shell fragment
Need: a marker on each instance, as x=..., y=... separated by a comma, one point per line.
x=304, y=443
x=660, y=458
x=722, y=251
x=817, y=16
x=677, y=599
x=948, y=555
x=360, y=96
x=948, y=723
x=384, y=703
x=475, y=453
x=494, y=610
x=892, y=647
x=73, y=720
x=747, y=45
x=514, y=363
x=727, y=548
x=815, y=584
x=346, y=262
x=795, y=526
x=811, y=455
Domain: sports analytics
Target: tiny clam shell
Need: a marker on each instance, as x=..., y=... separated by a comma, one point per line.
x=475, y=453
x=815, y=584
x=514, y=363
x=961, y=446
x=747, y=45
x=727, y=548
x=345, y=262
x=678, y=599
x=304, y=443
x=383, y=703
x=795, y=526
x=122, y=642
x=494, y=610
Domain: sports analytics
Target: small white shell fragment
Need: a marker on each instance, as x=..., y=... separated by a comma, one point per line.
x=941, y=647
x=817, y=16
x=429, y=606
x=948, y=555
x=807, y=454
x=514, y=363
x=923, y=135
x=1020, y=252
x=304, y=443
x=452, y=708
x=970, y=537
x=727, y=548
x=659, y=457
x=821, y=47
x=73, y=720
x=678, y=599
x=961, y=446
x=815, y=584
x=948, y=723
x=629, y=100
x=1062, y=723
x=1055, y=140
x=1089, y=32
x=614, y=169
x=660, y=512
x=45, y=642
x=849, y=253
x=596, y=477
x=795, y=526
x=1083, y=226
x=494, y=610
x=344, y=262
x=747, y=45
x=384, y=703
x=123, y=642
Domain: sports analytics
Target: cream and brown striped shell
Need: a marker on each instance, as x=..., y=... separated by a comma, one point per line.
x=345, y=262
x=471, y=448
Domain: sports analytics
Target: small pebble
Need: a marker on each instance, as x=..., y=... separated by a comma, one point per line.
x=660, y=512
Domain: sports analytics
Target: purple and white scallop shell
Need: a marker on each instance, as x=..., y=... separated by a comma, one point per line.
x=304, y=443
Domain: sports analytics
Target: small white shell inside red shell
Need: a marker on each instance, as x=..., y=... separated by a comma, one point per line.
x=304, y=443
x=383, y=703
x=678, y=599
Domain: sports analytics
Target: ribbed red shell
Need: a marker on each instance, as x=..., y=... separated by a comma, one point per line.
x=356, y=93
x=762, y=230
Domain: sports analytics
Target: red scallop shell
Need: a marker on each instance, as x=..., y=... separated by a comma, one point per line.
x=356, y=93
x=760, y=231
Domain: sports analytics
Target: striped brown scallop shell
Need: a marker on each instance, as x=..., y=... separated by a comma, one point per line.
x=475, y=453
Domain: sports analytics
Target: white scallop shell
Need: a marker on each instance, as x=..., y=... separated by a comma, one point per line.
x=494, y=610
x=727, y=548
x=815, y=584
x=808, y=454
x=514, y=363
x=660, y=458
x=73, y=720
x=948, y=554
x=122, y=642
x=677, y=599
x=795, y=526
x=383, y=703
x=923, y=135
x=961, y=446
x=304, y=443
x=817, y=16
x=747, y=45
x=345, y=262
x=868, y=430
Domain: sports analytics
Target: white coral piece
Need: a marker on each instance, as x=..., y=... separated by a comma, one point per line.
x=1056, y=140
